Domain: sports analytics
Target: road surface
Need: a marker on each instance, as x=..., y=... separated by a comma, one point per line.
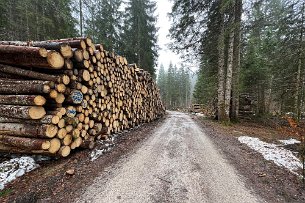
x=178, y=163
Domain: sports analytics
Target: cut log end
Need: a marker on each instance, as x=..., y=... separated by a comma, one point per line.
x=51, y=131
x=55, y=60
x=65, y=79
x=54, y=145
x=39, y=100
x=43, y=52
x=37, y=112
x=46, y=145
x=60, y=98
x=64, y=151
x=66, y=51
x=86, y=75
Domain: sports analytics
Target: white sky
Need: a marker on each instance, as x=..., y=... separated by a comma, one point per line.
x=165, y=54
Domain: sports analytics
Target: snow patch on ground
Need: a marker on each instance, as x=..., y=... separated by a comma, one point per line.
x=280, y=156
x=16, y=167
x=103, y=147
x=200, y=115
x=290, y=141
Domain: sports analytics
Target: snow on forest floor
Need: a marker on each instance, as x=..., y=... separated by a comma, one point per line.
x=16, y=167
x=272, y=152
x=290, y=141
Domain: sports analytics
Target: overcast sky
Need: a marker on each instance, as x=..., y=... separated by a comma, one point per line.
x=165, y=55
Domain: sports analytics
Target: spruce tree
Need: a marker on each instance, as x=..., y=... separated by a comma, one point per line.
x=139, y=35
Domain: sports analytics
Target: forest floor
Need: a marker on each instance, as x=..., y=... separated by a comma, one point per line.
x=51, y=183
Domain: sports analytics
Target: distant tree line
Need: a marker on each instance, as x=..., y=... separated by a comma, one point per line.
x=253, y=48
x=175, y=86
x=128, y=30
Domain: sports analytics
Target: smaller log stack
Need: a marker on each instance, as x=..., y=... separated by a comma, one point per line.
x=58, y=95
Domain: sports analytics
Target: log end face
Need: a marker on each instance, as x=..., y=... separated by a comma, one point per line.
x=64, y=151
x=54, y=145
x=46, y=145
x=43, y=52
x=51, y=131
x=66, y=50
x=40, y=100
x=37, y=112
x=55, y=60
x=60, y=98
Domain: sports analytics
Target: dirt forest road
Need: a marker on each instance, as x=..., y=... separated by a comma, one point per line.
x=178, y=163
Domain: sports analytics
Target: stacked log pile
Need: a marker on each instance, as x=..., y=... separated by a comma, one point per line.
x=58, y=95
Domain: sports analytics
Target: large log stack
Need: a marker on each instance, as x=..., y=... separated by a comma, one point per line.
x=58, y=95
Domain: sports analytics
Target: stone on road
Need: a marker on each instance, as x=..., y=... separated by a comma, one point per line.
x=178, y=163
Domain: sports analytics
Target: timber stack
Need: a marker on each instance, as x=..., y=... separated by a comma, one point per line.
x=59, y=95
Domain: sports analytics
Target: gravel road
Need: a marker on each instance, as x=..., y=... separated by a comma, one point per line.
x=178, y=163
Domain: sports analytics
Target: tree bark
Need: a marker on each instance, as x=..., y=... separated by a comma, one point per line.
x=236, y=60
x=25, y=143
x=23, y=112
x=28, y=130
x=299, y=78
x=29, y=73
x=35, y=52
x=228, y=87
x=24, y=87
x=221, y=77
x=23, y=100
x=53, y=60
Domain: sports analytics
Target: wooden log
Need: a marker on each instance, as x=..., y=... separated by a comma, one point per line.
x=76, y=97
x=53, y=60
x=25, y=143
x=16, y=43
x=78, y=55
x=23, y=112
x=64, y=151
x=28, y=130
x=47, y=119
x=23, y=100
x=54, y=145
x=60, y=98
x=11, y=149
x=24, y=50
x=79, y=43
x=88, y=144
x=29, y=73
x=63, y=48
x=76, y=143
x=29, y=87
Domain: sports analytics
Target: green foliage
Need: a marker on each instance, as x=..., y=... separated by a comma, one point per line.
x=139, y=36
x=103, y=22
x=272, y=50
x=174, y=86
x=36, y=20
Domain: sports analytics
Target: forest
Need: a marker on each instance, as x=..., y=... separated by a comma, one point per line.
x=251, y=54
x=127, y=30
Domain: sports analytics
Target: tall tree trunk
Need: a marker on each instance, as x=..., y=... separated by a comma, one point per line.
x=229, y=75
x=221, y=74
x=261, y=99
x=81, y=17
x=299, y=81
x=236, y=60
